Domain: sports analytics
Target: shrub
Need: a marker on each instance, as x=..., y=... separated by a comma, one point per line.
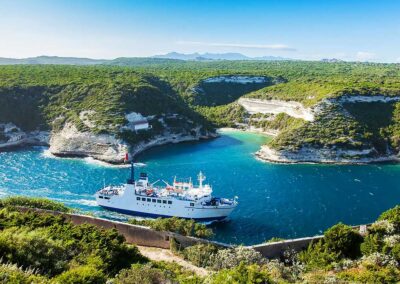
x=241, y=274
x=11, y=274
x=274, y=240
x=9, y=217
x=372, y=243
x=316, y=256
x=228, y=258
x=34, y=202
x=200, y=254
x=81, y=275
x=33, y=249
x=87, y=243
x=375, y=275
x=393, y=217
x=176, y=225
x=343, y=240
x=141, y=274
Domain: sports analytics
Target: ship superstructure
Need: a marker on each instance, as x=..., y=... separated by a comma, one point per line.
x=181, y=199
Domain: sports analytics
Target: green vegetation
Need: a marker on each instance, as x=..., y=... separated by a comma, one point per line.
x=44, y=248
x=51, y=95
x=47, y=97
x=176, y=225
x=222, y=93
x=341, y=256
x=34, y=202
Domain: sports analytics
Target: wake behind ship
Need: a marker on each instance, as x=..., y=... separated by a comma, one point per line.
x=181, y=199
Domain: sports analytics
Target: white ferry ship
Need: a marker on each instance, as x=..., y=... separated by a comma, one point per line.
x=181, y=199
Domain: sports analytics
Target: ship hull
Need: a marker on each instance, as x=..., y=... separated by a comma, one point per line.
x=152, y=215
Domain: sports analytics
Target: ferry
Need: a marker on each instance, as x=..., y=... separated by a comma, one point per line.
x=182, y=199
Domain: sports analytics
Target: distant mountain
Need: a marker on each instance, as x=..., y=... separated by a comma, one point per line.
x=134, y=61
x=215, y=56
x=51, y=60
x=331, y=60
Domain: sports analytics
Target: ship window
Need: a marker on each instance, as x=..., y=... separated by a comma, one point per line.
x=153, y=200
x=148, y=199
x=164, y=201
x=169, y=202
x=158, y=201
x=101, y=197
x=106, y=197
x=191, y=204
x=137, y=198
x=143, y=199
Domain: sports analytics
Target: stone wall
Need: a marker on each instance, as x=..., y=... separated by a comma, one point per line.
x=276, y=249
x=134, y=234
x=144, y=236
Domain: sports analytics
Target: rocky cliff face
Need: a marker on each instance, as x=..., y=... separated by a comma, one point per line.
x=72, y=142
x=347, y=129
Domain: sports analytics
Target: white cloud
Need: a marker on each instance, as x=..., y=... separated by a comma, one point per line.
x=398, y=59
x=239, y=45
x=365, y=56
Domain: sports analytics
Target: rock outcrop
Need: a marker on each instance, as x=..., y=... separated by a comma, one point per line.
x=72, y=142
x=291, y=108
x=327, y=156
x=12, y=136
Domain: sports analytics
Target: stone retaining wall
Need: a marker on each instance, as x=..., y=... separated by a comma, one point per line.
x=144, y=236
x=276, y=249
x=134, y=234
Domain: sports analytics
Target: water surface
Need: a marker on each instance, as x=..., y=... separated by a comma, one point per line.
x=278, y=200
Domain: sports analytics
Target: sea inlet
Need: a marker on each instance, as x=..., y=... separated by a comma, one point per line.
x=275, y=200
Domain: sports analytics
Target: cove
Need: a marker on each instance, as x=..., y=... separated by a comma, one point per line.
x=275, y=200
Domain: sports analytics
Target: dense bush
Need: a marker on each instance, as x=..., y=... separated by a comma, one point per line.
x=84, y=274
x=210, y=256
x=343, y=240
x=12, y=274
x=176, y=225
x=241, y=274
x=393, y=217
x=200, y=255
x=339, y=242
x=34, y=202
x=229, y=258
x=33, y=249
x=154, y=273
x=51, y=246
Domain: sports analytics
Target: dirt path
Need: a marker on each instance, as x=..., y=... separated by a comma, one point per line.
x=158, y=254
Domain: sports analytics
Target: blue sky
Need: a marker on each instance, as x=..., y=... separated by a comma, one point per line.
x=350, y=30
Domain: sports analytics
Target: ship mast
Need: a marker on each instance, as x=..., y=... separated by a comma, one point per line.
x=201, y=178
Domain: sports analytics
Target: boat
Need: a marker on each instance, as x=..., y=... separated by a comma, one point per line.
x=180, y=199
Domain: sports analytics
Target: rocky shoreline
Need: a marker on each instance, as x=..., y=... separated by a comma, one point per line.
x=318, y=156
x=70, y=142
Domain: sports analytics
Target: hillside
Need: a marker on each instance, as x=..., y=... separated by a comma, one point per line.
x=40, y=247
x=87, y=111
x=319, y=111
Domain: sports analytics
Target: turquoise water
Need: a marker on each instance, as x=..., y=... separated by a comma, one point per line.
x=274, y=200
